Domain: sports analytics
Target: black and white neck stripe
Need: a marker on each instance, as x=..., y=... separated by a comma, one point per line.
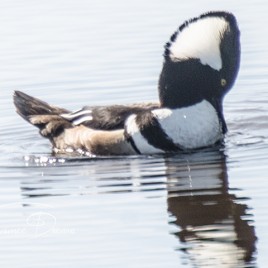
x=171, y=130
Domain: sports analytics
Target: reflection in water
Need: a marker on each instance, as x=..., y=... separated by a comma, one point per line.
x=214, y=225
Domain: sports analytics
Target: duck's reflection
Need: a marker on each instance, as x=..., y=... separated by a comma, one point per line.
x=214, y=224
x=214, y=227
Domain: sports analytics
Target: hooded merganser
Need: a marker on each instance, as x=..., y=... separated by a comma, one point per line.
x=201, y=62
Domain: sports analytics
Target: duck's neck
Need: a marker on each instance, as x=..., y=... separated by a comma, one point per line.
x=183, y=84
x=186, y=83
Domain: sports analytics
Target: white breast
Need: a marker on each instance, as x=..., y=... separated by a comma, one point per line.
x=192, y=127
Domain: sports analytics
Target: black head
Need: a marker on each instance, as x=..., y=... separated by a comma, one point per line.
x=201, y=61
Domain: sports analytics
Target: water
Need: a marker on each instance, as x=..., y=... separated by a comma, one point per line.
x=205, y=209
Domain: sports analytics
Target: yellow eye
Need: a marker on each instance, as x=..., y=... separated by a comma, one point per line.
x=223, y=82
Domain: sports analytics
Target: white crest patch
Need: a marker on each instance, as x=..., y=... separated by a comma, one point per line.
x=200, y=39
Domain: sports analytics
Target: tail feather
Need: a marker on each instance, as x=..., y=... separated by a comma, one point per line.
x=40, y=114
x=28, y=106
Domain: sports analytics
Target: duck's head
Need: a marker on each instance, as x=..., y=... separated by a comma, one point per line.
x=201, y=61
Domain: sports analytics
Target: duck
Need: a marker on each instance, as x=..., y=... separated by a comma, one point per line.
x=201, y=63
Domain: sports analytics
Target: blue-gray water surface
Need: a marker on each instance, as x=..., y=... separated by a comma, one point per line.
x=205, y=209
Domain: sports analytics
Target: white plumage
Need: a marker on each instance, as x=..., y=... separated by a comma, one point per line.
x=200, y=39
x=191, y=127
x=142, y=144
